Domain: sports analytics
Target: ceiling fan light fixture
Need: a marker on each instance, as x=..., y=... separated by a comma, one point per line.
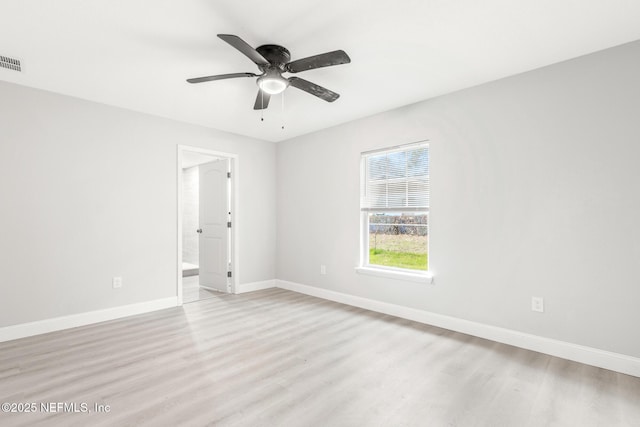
x=272, y=84
x=273, y=60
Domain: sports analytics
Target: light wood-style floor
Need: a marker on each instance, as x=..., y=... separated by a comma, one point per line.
x=191, y=290
x=278, y=358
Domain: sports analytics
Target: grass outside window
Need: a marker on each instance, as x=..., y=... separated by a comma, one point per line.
x=399, y=251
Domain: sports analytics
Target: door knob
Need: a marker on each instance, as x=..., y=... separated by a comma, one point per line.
x=199, y=230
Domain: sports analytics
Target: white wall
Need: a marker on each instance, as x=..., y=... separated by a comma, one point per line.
x=88, y=192
x=535, y=192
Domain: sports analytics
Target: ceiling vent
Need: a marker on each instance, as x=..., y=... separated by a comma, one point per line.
x=10, y=63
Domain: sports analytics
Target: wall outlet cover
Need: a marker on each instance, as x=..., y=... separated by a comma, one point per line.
x=537, y=304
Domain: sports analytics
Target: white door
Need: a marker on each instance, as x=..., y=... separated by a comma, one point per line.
x=214, y=231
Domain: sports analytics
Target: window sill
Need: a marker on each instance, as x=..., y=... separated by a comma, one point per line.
x=426, y=277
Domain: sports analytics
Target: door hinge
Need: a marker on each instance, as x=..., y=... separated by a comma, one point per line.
x=228, y=274
x=229, y=224
x=228, y=174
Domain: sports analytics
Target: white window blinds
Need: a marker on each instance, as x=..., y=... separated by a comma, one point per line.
x=396, y=179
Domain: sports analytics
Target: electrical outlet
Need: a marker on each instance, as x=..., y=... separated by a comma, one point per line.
x=537, y=304
x=117, y=282
x=323, y=269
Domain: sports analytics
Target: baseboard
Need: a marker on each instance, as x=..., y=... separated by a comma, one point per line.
x=588, y=355
x=23, y=330
x=256, y=286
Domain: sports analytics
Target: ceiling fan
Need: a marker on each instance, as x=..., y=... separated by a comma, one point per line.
x=273, y=60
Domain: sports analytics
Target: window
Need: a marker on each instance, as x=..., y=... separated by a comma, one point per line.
x=394, y=207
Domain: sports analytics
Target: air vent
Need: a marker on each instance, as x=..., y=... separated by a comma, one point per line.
x=10, y=63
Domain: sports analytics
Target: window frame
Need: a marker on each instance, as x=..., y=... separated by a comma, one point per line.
x=365, y=267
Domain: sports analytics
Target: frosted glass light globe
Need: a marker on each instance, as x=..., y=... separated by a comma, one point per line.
x=272, y=84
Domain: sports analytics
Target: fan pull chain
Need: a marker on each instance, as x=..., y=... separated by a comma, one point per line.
x=262, y=102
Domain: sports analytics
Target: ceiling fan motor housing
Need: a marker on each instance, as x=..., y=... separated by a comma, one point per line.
x=276, y=55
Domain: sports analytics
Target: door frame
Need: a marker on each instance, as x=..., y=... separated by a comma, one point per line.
x=234, y=165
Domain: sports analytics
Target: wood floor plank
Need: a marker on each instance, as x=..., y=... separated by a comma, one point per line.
x=278, y=358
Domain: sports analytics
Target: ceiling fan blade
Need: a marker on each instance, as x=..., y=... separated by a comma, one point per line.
x=220, y=77
x=262, y=100
x=313, y=89
x=328, y=59
x=243, y=47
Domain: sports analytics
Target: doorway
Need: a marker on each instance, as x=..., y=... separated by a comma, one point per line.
x=206, y=229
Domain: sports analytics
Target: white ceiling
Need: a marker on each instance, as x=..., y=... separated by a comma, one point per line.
x=136, y=54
